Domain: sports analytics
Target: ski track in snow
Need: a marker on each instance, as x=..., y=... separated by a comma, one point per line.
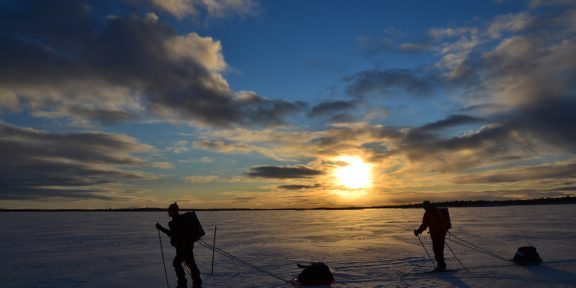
x=364, y=248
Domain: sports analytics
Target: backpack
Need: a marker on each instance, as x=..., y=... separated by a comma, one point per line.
x=446, y=217
x=527, y=255
x=194, y=228
x=316, y=273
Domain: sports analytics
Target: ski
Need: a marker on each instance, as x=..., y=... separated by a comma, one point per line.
x=445, y=271
x=430, y=272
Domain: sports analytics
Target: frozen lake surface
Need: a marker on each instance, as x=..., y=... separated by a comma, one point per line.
x=364, y=248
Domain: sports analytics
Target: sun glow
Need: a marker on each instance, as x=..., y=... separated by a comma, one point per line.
x=356, y=174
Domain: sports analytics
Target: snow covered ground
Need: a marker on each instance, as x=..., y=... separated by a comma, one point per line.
x=364, y=248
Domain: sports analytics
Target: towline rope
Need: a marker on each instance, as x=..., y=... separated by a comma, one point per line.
x=474, y=247
x=243, y=262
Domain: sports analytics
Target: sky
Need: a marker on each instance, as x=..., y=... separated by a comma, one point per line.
x=277, y=104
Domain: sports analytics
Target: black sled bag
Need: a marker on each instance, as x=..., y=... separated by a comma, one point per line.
x=316, y=273
x=527, y=255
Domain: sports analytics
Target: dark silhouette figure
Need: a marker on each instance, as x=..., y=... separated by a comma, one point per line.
x=183, y=241
x=438, y=223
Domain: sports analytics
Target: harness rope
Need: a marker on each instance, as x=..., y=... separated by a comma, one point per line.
x=243, y=262
x=472, y=246
x=461, y=264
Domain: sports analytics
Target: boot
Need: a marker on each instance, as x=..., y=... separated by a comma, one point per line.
x=441, y=268
x=181, y=284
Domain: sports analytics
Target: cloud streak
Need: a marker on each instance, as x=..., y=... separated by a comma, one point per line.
x=285, y=172
x=38, y=164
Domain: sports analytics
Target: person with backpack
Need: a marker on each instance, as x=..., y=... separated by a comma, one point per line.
x=184, y=230
x=437, y=220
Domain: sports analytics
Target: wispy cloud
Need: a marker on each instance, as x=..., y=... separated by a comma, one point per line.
x=39, y=164
x=381, y=82
x=201, y=179
x=523, y=174
x=283, y=172
x=213, y=8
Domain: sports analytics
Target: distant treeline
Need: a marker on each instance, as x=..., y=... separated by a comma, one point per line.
x=490, y=203
x=458, y=203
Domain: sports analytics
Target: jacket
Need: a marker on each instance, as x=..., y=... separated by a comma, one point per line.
x=435, y=221
x=179, y=233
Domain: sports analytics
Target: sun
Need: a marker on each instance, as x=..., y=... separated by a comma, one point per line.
x=356, y=174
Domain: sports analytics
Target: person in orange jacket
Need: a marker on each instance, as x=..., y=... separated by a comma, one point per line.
x=438, y=224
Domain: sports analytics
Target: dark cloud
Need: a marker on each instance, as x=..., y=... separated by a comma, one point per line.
x=106, y=117
x=524, y=95
x=551, y=121
x=331, y=107
x=382, y=82
x=71, y=48
x=565, y=171
x=506, y=137
x=565, y=189
x=430, y=132
x=270, y=112
x=492, y=143
x=386, y=132
x=451, y=121
x=38, y=164
x=283, y=172
x=298, y=187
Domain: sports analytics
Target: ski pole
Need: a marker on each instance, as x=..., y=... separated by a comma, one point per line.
x=163, y=262
x=213, y=247
x=422, y=243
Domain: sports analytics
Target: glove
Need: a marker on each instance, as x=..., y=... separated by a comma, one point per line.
x=416, y=232
x=158, y=226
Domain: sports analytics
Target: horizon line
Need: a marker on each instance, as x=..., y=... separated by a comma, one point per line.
x=568, y=199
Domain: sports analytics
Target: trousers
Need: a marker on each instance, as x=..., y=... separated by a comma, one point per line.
x=186, y=255
x=438, y=247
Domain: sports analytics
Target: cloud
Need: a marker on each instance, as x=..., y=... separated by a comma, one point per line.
x=451, y=121
x=212, y=8
x=416, y=47
x=539, y=3
x=509, y=23
x=284, y=172
x=559, y=171
x=299, y=187
x=331, y=107
x=63, y=59
x=39, y=164
x=201, y=179
x=285, y=144
x=491, y=144
x=391, y=41
x=382, y=82
x=519, y=70
x=9, y=101
x=178, y=147
x=163, y=165
x=106, y=117
x=203, y=159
